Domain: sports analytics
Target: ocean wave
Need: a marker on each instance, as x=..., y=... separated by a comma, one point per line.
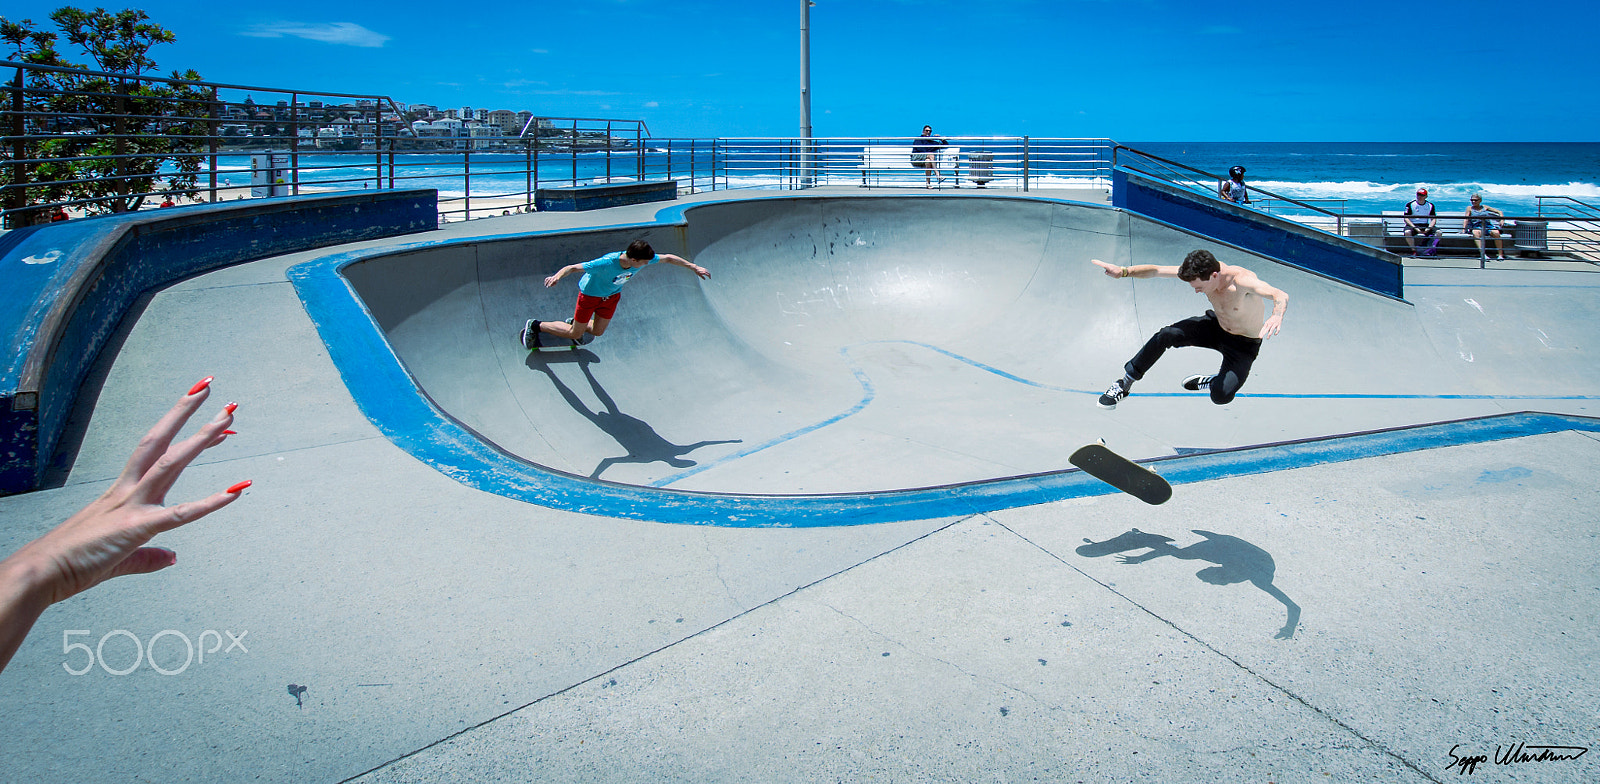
x=1363, y=189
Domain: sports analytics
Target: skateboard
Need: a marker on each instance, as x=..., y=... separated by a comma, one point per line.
x=1120, y=472
x=563, y=345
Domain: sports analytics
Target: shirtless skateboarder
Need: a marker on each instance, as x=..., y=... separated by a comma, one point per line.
x=1235, y=325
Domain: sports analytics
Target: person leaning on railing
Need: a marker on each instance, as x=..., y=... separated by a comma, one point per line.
x=1233, y=189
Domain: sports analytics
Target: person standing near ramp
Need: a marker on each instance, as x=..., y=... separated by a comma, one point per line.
x=1235, y=326
x=599, y=290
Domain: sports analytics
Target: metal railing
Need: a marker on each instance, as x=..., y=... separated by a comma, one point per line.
x=86, y=142
x=1014, y=162
x=1205, y=183
x=78, y=142
x=1562, y=227
x=75, y=142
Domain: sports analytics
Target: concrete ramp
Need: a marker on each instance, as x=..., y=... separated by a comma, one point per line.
x=851, y=345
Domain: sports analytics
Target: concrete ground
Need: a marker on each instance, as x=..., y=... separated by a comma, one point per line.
x=1394, y=614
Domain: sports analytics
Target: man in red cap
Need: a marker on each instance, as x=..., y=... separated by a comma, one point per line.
x=1421, y=220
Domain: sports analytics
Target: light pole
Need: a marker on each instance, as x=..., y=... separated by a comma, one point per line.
x=805, y=92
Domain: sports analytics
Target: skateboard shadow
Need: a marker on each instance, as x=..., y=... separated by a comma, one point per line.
x=1236, y=561
x=641, y=442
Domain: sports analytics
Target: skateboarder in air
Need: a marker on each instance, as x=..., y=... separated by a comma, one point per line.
x=599, y=290
x=1235, y=326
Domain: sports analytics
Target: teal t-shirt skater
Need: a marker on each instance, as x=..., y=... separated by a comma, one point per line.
x=606, y=275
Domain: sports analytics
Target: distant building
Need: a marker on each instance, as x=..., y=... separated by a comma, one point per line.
x=506, y=121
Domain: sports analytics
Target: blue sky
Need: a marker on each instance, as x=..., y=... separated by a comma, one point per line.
x=1132, y=70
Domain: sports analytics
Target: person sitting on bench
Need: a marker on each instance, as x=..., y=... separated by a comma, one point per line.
x=1423, y=220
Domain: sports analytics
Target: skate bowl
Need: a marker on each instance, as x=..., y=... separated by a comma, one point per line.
x=866, y=359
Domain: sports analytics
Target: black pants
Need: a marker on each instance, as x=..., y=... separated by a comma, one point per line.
x=1238, y=352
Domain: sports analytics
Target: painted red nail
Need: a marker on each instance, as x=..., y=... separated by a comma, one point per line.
x=230, y=432
x=239, y=488
x=230, y=407
x=204, y=382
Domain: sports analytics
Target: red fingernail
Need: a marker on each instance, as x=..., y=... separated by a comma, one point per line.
x=204, y=382
x=230, y=432
x=230, y=407
x=239, y=488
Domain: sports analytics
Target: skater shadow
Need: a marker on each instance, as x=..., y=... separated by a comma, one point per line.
x=641, y=442
x=1236, y=561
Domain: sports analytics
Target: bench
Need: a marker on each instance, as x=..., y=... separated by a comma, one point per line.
x=1523, y=238
x=896, y=160
x=602, y=195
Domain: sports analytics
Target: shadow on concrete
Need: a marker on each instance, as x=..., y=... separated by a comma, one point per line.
x=1236, y=561
x=641, y=442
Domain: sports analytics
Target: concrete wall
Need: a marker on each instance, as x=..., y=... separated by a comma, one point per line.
x=1308, y=248
x=64, y=287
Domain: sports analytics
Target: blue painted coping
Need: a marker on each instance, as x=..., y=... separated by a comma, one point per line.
x=391, y=399
x=64, y=288
x=1318, y=251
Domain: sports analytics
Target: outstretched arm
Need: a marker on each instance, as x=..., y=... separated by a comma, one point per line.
x=704, y=273
x=106, y=538
x=1136, y=271
x=563, y=272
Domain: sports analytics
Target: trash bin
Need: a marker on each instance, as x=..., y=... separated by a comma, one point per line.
x=980, y=168
x=1531, y=237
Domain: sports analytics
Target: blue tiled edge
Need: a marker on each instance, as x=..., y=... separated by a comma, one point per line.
x=390, y=398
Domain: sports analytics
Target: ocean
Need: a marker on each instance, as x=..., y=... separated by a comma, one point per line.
x=1352, y=178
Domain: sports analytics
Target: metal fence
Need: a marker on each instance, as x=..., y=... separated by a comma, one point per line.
x=82, y=142
x=1561, y=226
x=75, y=142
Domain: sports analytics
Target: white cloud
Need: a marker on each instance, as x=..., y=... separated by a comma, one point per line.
x=345, y=33
x=652, y=104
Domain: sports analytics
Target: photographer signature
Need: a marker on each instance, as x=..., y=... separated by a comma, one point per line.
x=1514, y=754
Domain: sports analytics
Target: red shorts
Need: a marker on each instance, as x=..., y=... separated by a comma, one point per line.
x=604, y=307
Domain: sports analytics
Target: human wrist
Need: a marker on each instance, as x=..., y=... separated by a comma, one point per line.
x=24, y=586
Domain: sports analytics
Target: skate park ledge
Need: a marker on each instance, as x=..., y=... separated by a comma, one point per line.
x=68, y=285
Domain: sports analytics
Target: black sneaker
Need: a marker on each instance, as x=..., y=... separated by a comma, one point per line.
x=530, y=335
x=1195, y=382
x=1113, y=396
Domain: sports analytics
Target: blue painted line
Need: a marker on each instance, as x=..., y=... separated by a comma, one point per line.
x=391, y=400
x=1263, y=395
x=867, y=396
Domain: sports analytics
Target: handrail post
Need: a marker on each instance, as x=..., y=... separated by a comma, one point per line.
x=18, y=198
x=377, y=147
x=466, y=181
x=1025, y=172
x=294, y=143
x=212, y=130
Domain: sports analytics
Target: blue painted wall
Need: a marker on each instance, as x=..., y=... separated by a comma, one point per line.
x=64, y=288
x=599, y=197
x=1336, y=257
